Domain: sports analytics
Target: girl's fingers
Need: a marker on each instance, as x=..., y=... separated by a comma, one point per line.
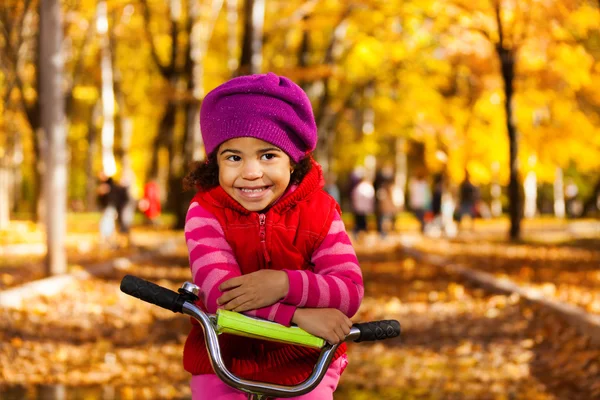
x=331, y=339
x=345, y=329
x=237, y=302
x=339, y=334
x=244, y=307
x=227, y=297
x=231, y=283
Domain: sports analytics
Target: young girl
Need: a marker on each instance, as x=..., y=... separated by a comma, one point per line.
x=265, y=239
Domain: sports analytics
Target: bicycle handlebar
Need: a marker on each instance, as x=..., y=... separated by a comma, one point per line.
x=378, y=330
x=183, y=302
x=152, y=293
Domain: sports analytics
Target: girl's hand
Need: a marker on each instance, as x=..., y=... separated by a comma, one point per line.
x=327, y=323
x=255, y=290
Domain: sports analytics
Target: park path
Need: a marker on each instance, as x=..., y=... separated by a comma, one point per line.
x=460, y=340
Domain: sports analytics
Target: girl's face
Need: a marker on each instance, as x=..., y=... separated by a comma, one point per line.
x=254, y=172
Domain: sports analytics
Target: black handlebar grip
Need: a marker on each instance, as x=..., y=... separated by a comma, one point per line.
x=152, y=293
x=378, y=330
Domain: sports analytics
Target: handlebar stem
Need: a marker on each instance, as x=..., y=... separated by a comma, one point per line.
x=252, y=387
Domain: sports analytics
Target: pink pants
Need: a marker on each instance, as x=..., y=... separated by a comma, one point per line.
x=205, y=387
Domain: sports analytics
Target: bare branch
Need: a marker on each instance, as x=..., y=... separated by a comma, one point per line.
x=165, y=71
x=480, y=31
x=337, y=35
x=6, y=20
x=301, y=12
x=20, y=22
x=6, y=34
x=497, y=11
x=174, y=46
x=30, y=111
x=9, y=88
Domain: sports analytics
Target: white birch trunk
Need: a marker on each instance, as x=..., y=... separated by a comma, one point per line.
x=52, y=105
x=530, y=188
x=401, y=173
x=258, y=19
x=205, y=17
x=109, y=165
x=559, y=194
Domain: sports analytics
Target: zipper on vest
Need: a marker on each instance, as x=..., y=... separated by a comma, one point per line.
x=262, y=218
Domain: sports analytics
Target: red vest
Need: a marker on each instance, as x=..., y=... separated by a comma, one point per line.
x=284, y=237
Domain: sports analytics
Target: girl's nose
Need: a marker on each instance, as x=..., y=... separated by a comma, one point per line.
x=251, y=170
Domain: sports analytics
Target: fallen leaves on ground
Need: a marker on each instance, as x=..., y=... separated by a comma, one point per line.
x=458, y=342
x=564, y=273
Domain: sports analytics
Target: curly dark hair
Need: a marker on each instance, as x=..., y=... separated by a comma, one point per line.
x=204, y=175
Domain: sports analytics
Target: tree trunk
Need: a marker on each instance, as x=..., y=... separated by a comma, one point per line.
x=4, y=193
x=108, y=96
x=495, y=191
x=251, y=57
x=201, y=26
x=368, y=125
x=40, y=150
x=232, y=35
x=507, y=62
x=92, y=139
x=401, y=176
x=324, y=115
x=592, y=204
x=530, y=189
x=122, y=120
x=304, y=53
x=559, y=194
x=322, y=118
x=53, y=122
x=163, y=138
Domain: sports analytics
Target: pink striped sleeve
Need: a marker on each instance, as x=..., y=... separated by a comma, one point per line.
x=212, y=262
x=337, y=279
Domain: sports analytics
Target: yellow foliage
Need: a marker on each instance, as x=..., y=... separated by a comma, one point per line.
x=573, y=64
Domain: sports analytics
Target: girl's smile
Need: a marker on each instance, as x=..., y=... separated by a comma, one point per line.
x=253, y=172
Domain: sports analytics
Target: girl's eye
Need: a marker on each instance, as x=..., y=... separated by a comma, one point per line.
x=269, y=156
x=234, y=158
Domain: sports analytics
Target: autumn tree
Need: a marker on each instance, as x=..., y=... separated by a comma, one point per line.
x=52, y=107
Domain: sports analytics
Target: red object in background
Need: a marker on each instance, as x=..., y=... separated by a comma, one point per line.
x=150, y=203
x=428, y=216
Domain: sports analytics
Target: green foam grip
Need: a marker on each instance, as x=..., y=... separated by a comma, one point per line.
x=242, y=325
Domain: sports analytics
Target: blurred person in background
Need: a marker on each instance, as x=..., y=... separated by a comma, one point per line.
x=106, y=196
x=442, y=208
x=388, y=207
x=419, y=197
x=363, y=204
x=381, y=177
x=467, y=201
x=572, y=202
x=126, y=205
x=436, y=227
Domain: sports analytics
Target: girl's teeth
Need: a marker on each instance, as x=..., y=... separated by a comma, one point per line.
x=252, y=190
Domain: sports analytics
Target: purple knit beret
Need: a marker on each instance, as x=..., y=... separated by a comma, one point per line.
x=267, y=107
